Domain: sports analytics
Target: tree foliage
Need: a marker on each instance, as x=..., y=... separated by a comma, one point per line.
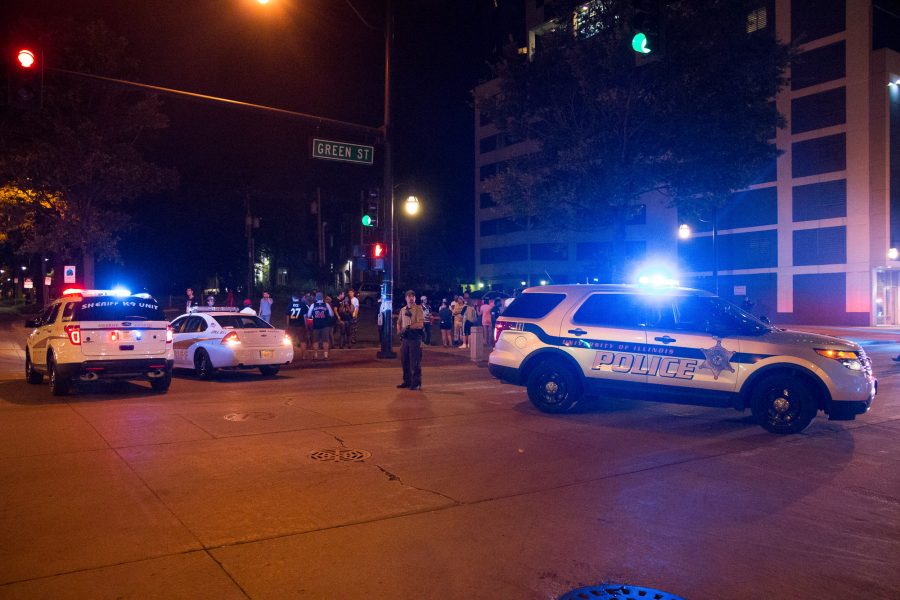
x=71, y=166
x=694, y=121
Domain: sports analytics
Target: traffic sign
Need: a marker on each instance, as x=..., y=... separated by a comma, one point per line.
x=69, y=274
x=29, y=284
x=342, y=151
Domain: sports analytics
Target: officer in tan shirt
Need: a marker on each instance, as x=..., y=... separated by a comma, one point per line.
x=411, y=327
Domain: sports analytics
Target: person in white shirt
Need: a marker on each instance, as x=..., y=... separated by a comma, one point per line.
x=354, y=318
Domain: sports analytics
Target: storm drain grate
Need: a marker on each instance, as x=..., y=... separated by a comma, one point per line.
x=340, y=454
x=618, y=591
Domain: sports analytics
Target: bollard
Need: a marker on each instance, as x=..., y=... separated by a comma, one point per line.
x=476, y=343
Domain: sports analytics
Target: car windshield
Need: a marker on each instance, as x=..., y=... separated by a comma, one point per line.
x=108, y=308
x=239, y=321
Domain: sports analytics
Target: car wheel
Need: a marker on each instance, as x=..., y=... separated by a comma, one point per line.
x=553, y=387
x=268, y=370
x=203, y=367
x=161, y=384
x=59, y=385
x=31, y=376
x=783, y=404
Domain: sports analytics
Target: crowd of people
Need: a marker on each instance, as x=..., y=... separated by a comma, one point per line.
x=318, y=322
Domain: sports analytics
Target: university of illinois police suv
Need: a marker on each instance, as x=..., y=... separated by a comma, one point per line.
x=674, y=344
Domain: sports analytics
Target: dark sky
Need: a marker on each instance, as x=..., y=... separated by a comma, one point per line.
x=310, y=56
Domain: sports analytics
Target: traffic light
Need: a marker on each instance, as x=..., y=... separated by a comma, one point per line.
x=645, y=27
x=370, y=216
x=378, y=250
x=26, y=78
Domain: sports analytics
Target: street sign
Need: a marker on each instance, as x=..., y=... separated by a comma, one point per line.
x=69, y=274
x=29, y=284
x=342, y=151
x=48, y=280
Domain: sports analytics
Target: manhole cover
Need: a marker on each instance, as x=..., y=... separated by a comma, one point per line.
x=618, y=591
x=262, y=416
x=339, y=454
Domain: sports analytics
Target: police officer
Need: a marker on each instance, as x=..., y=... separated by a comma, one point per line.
x=410, y=326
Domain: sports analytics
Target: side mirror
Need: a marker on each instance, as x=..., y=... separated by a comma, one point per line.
x=32, y=323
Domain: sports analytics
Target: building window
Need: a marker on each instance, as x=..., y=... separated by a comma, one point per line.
x=588, y=18
x=503, y=254
x=485, y=200
x=550, y=251
x=826, y=246
x=638, y=215
x=819, y=66
x=487, y=171
x=818, y=111
x=499, y=226
x=826, y=200
x=757, y=19
x=819, y=155
x=487, y=144
x=282, y=277
x=814, y=19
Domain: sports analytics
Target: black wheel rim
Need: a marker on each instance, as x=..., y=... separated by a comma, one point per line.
x=552, y=388
x=782, y=408
x=52, y=368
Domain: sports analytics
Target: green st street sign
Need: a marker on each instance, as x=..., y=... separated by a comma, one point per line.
x=342, y=151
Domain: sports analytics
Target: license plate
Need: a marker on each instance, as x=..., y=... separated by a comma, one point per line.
x=266, y=353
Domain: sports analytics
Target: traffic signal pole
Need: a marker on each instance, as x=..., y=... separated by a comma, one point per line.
x=387, y=282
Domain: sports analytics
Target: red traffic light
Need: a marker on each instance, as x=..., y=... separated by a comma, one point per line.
x=378, y=250
x=26, y=58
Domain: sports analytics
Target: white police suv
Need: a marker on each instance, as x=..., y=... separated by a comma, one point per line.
x=674, y=344
x=93, y=335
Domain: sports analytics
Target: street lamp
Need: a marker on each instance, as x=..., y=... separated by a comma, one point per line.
x=412, y=205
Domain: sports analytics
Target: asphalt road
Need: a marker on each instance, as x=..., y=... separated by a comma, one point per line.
x=463, y=491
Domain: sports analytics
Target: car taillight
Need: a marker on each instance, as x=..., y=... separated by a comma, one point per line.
x=502, y=326
x=114, y=336
x=74, y=333
x=287, y=341
x=231, y=338
x=169, y=334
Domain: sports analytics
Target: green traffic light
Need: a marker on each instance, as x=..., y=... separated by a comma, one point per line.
x=367, y=221
x=639, y=43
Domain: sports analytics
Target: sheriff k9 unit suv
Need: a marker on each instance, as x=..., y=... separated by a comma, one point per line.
x=674, y=344
x=87, y=336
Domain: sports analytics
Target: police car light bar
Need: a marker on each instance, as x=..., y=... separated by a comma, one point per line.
x=118, y=292
x=214, y=309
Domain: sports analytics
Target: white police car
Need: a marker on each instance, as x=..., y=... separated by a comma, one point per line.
x=212, y=338
x=674, y=344
x=94, y=335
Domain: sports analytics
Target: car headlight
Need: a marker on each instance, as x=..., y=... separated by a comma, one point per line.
x=848, y=358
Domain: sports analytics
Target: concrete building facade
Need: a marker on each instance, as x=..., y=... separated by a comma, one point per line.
x=813, y=241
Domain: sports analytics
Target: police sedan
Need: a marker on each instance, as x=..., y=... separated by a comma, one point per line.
x=212, y=338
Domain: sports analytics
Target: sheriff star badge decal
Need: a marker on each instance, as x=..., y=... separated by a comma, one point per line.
x=717, y=359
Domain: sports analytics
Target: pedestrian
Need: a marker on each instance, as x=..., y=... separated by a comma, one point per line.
x=229, y=297
x=446, y=317
x=485, y=313
x=265, y=307
x=248, y=308
x=410, y=326
x=210, y=301
x=296, y=323
x=321, y=314
x=189, y=301
x=470, y=318
x=496, y=310
x=426, y=309
x=345, y=314
x=354, y=319
x=457, y=307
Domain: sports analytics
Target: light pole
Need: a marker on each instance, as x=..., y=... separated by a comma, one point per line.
x=387, y=282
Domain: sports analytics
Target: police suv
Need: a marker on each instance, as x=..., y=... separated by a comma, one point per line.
x=92, y=335
x=674, y=344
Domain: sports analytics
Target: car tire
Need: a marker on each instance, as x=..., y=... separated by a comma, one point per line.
x=161, y=384
x=203, y=366
x=268, y=370
x=553, y=387
x=31, y=376
x=783, y=404
x=59, y=384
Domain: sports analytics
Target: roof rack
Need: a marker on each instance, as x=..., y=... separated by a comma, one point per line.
x=206, y=309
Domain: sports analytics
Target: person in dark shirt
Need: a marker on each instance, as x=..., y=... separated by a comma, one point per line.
x=322, y=322
x=296, y=323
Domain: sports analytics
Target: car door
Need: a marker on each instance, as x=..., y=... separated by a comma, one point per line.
x=690, y=334
x=606, y=335
x=40, y=337
x=179, y=346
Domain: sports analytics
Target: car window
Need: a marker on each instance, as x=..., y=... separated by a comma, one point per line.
x=110, y=308
x=44, y=319
x=178, y=324
x=707, y=314
x=195, y=325
x=54, y=312
x=533, y=305
x=611, y=310
x=69, y=311
x=241, y=322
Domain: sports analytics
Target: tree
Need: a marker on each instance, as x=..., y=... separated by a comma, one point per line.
x=71, y=167
x=694, y=120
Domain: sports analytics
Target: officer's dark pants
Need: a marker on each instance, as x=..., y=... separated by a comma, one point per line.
x=411, y=359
